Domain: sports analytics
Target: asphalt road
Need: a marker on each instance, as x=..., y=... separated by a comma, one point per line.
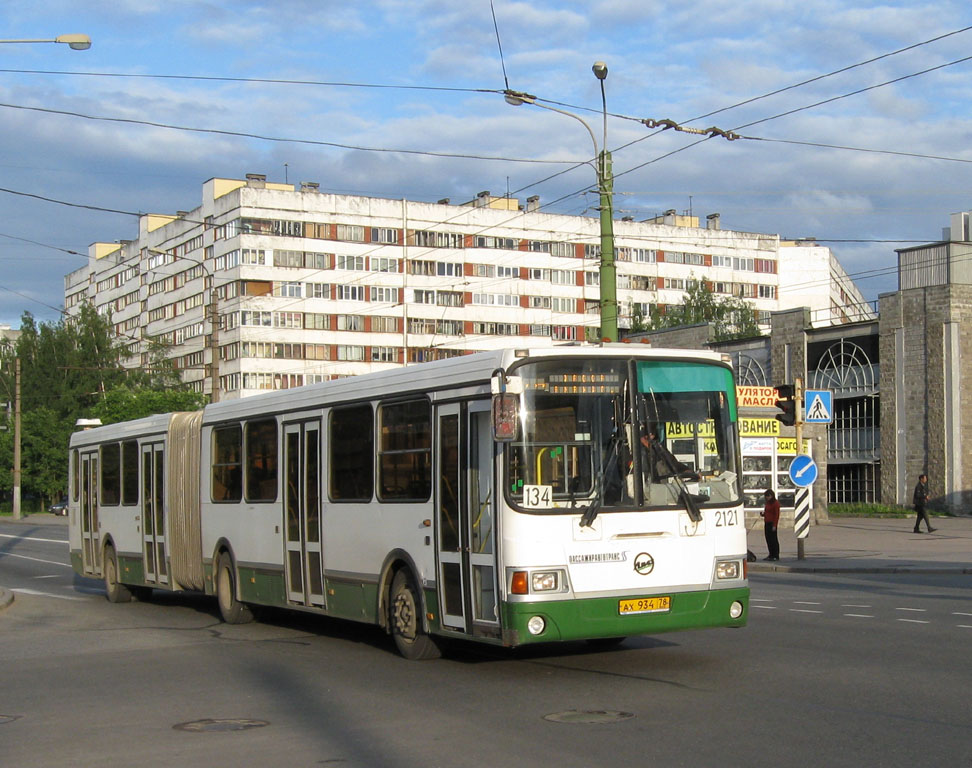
x=832, y=671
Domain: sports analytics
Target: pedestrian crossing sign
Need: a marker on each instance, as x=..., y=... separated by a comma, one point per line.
x=818, y=406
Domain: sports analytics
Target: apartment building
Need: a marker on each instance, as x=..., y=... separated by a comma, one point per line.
x=292, y=285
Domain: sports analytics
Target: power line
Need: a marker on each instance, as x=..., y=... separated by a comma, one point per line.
x=278, y=139
x=266, y=80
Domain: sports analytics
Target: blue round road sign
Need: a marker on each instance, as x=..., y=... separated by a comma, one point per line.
x=803, y=470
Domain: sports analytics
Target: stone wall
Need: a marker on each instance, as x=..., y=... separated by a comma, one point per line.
x=926, y=406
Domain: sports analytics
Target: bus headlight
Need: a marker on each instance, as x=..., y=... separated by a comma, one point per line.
x=728, y=569
x=546, y=581
x=536, y=625
x=735, y=610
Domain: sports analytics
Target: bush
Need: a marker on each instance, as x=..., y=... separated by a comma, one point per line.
x=874, y=510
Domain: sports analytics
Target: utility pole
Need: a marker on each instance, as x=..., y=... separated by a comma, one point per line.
x=214, y=339
x=16, y=456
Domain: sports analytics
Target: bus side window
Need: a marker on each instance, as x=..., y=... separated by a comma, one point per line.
x=261, y=460
x=110, y=474
x=129, y=478
x=227, y=463
x=351, y=449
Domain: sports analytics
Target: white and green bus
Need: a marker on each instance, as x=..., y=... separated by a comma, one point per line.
x=507, y=497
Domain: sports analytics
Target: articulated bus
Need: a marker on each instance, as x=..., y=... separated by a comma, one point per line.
x=507, y=497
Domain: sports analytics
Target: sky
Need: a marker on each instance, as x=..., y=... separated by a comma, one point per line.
x=864, y=158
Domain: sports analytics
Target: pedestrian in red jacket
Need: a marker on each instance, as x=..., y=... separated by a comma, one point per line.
x=771, y=521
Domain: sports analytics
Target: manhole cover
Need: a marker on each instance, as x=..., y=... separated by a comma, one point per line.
x=4, y=719
x=209, y=725
x=589, y=716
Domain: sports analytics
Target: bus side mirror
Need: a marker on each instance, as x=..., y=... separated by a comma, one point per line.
x=506, y=417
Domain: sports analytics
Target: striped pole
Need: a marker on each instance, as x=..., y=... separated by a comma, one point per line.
x=801, y=513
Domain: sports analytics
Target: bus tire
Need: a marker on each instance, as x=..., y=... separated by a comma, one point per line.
x=405, y=620
x=115, y=591
x=230, y=608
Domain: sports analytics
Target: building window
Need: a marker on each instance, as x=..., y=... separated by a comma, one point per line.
x=288, y=258
x=383, y=264
x=347, y=261
x=350, y=323
x=288, y=290
x=384, y=295
x=316, y=321
x=385, y=235
x=349, y=353
x=350, y=292
x=384, y=354
x=449, y=299
x=384, y=324
x=350, y=232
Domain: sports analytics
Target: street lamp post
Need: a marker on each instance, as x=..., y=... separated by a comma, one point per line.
x=605, y=187
x=74, y=41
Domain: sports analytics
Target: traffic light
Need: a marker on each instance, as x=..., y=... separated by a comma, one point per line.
x=787, y=404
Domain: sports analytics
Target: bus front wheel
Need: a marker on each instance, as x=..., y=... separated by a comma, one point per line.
x=115, y=591
x=406, y=620
x=230, y=608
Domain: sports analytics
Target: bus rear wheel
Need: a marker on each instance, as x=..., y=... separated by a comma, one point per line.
x=230, y=608
x=115, y=591
x=405, y=609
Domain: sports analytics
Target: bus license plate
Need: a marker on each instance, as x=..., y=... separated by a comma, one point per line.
x=645, y=605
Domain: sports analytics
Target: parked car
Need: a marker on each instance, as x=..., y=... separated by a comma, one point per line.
x=59, y=508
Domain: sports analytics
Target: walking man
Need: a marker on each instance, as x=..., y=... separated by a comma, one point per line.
x=920, y=497
x=771, y=524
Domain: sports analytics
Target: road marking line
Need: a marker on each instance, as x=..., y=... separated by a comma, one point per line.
x=959, y=613
x=915, y=621
x=804, y=602
x=766, y=607
x=48, y=576
x=35, y=559
x=854, y=605
x=44, y=594
x=804, y=610
x=759, y=600
x=859, y=615
x=916, y=610
x=31, y=538
x=964, y=626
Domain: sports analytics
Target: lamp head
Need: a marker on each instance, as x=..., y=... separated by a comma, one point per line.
x=600, y=70
x=75, y=42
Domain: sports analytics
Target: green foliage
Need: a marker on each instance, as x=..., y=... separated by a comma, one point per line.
x=732, y=317
x=70, y=369
x=124, y=404
x=861, y=509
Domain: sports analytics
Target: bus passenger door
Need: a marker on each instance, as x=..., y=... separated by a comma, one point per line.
x=464, y=520
x=154, y=561
x=90, y=540
x=302, y=510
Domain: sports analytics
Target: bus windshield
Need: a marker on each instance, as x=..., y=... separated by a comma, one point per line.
x=620, y=434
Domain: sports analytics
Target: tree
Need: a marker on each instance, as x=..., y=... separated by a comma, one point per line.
x=732, y=317
x=70, y=369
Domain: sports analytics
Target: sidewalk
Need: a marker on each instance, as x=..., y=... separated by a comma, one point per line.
x=872, y=545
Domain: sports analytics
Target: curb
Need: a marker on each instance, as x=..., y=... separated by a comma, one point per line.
x=919, y=569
